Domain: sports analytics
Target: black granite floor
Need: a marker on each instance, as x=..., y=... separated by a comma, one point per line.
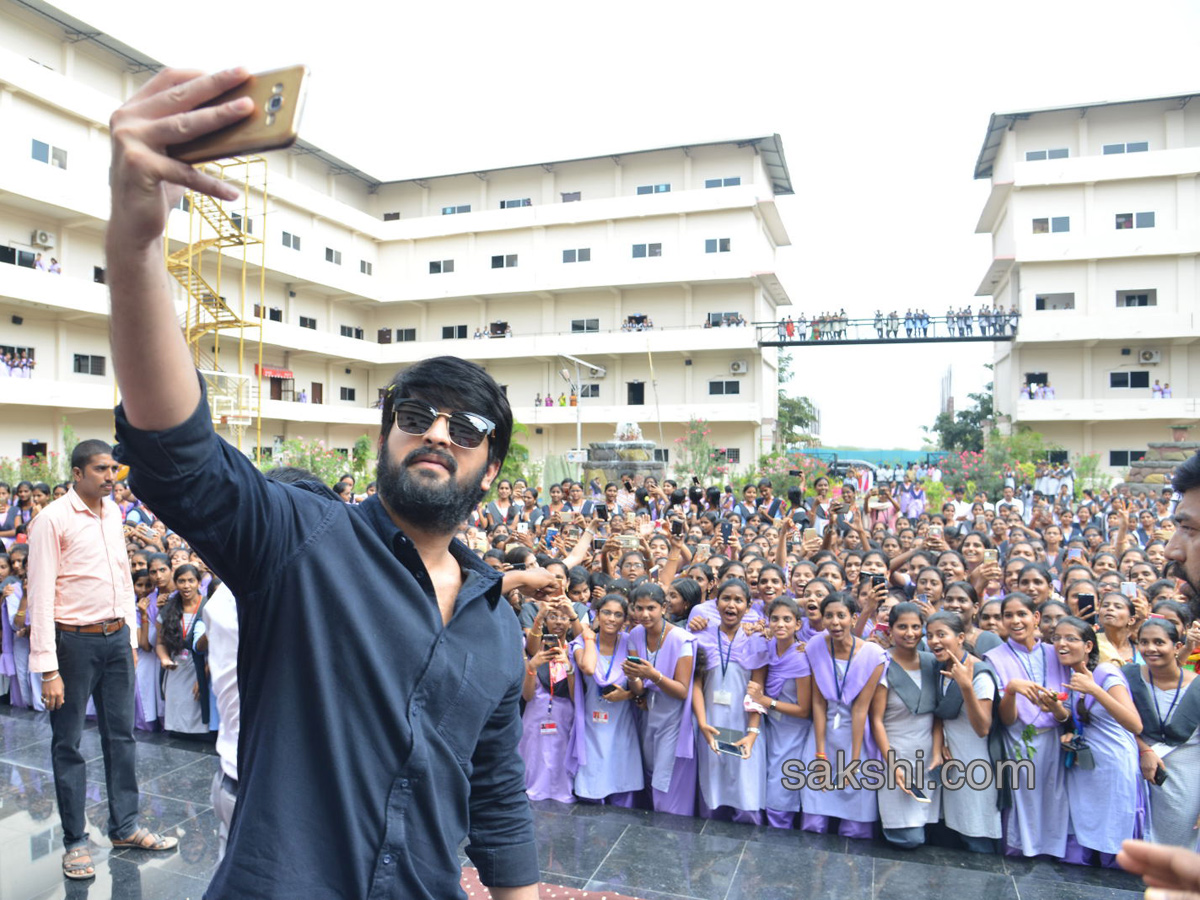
x=643, y=854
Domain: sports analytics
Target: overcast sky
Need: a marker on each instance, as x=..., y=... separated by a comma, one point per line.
x=882, y=108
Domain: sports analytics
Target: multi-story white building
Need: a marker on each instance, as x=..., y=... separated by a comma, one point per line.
x=363, y=277
x=1094, y=214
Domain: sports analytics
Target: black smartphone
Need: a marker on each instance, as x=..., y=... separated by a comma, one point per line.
x=517, y=567
x=695, y=481
x=549, y=641
x=1160, y=776
x=794, y=473
x=726, y=530
x=607, y=689
x=602, y=513
x=1086, y=603
x=677, y=527
x=878, y=580
x=628, y=485
x=635, y=659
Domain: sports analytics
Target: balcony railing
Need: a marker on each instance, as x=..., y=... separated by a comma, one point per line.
x=889, y=329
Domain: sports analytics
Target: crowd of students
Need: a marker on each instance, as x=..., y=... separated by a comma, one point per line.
x=709, y=647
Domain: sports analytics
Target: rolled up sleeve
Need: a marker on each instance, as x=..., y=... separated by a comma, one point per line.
x=501, y=837
x=42, y=569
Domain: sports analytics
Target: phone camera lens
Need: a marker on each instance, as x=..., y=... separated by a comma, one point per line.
x=275, y=104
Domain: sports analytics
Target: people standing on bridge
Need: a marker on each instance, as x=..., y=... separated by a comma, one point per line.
x=908, y=322
x=879, y=323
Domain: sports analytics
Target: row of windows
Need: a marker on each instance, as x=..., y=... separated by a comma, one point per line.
x=1125, y=457
x=572, y=197
x=1106, y=150
x=578, y=254
x=1125, y=299
x=1057, y=224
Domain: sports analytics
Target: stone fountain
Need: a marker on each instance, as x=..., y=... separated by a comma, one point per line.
x=627, y=452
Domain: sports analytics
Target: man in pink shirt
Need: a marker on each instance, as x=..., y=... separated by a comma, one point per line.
x=84, y=643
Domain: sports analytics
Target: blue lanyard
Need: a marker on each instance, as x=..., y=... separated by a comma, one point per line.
x=612, y=659
x=723, y=657
x=1073, y=706
x=1170, y=709
x=841, y=686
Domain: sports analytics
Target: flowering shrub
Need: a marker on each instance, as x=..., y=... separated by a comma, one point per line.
x=696, y=456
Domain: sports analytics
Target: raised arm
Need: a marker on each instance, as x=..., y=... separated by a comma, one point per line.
x=153, y=368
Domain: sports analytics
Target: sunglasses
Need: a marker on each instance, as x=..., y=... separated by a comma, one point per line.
x=467, y=430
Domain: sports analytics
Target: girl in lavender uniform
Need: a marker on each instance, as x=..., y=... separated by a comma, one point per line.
x=1030, y=678
x=549, y=718
x=787, y=697
x=733, y=659
x=845, y=670
x=809, y=603
x=1167, y=696
x=147, y=674
x=8, y=667
x=662, y=657
x=1106, y=800
x=605, y=757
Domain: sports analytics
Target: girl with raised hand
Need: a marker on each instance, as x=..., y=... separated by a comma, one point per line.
x=549, y=717
x=733, y=659
x=1168, y=700
x=1100, y=756
x=903, y=723
x=1031, y=677
x=845, y=672
x=967, y=694
x=662, y=657
x=787, y=697
x=605, y=755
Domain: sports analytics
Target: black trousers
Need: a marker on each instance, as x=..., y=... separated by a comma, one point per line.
x=98, y=666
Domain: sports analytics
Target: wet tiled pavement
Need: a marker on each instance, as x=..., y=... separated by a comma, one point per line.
x=633, y=852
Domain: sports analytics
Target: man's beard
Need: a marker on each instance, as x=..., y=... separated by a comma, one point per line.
x=436, y=506
x=1175, y=570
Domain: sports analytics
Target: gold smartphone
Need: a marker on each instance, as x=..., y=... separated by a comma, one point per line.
x=278, y=98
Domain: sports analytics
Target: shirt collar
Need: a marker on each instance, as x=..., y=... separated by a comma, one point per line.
x=395, y=537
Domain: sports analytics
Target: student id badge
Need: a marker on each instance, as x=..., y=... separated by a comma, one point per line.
x=550, y=728
x=599, y=718
x=723, y=698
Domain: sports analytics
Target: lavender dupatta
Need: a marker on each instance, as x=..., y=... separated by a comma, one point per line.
x=665, y=662
x=577, y=747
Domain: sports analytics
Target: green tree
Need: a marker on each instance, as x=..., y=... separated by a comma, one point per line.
x=965, y=430
x=797, y=415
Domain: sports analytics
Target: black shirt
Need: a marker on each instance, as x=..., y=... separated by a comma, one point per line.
x=373, y=739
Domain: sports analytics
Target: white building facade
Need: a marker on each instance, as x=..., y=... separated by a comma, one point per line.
x=363, y=277
x=1094, y=214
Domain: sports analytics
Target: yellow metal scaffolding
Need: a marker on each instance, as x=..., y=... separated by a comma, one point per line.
x=222, y=270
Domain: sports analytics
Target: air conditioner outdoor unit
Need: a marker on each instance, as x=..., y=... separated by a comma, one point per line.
x=42, y=239
x=739, y=367
x=1150, y=356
